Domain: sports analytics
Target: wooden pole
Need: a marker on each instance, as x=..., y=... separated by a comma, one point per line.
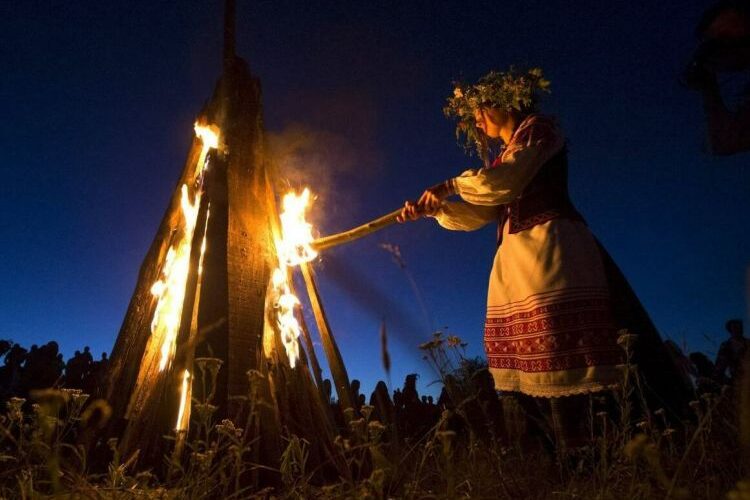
x=317, y=372
x=335, y=361
x=356, y=233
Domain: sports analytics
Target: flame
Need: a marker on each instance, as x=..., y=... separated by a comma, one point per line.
x=285, y=303
x=209, y=135
x=203, y=243
x=170, y=287
x=181, y=420
x=293, y=248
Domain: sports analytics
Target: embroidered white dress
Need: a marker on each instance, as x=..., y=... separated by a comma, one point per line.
x=549, y=329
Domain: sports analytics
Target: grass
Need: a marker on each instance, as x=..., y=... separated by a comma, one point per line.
x=44, y=447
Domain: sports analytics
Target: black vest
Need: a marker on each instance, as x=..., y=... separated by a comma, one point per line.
x=543, y=199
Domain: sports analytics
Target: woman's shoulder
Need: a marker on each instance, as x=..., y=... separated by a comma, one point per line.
x=538, y=127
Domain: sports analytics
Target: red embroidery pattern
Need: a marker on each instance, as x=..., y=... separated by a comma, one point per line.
x=551, y=331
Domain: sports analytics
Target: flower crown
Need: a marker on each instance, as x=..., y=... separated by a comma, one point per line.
x=509, y=90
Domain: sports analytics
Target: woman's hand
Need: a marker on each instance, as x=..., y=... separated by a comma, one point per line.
x=433, y=197
x=409, y=212
x=428, y=204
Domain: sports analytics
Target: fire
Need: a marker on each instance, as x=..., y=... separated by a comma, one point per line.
x=170, y=287
x=293, y=248
x=181, y=420
x=209, y=135
x=288, y=325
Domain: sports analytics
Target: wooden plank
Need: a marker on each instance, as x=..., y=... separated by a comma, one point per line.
x=331, y=349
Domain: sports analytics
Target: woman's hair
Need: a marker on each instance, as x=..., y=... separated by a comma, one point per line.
x=511, y=91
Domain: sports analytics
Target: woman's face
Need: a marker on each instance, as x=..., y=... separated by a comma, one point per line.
x=489, y=123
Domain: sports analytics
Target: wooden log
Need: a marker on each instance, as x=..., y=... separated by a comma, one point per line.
x=335, y=361
x=132, y=344
x=356, y=233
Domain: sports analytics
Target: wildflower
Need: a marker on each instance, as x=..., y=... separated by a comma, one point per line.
x=210, y=365
x=453, y=340
x=432, y=344
x=112, y=444
x=78, y=397
x=228, y=428
x=366, y=411
x=14, y=408
x=204, y=411
x=341, y=443
x=357, y=426
x=348, y=414
x=626, y=339
x=375, y=429
x=254, y=376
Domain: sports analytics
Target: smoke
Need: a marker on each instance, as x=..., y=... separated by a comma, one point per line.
x=328, y=145
x=400, y=316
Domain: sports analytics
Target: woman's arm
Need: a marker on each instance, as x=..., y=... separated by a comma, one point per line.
x=461, y=216
x=532, y=145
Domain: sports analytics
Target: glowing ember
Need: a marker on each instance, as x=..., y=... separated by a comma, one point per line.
x=293, y=249
x=170, y=287
x=181, y=420
x=288, y=325
x=203, y=243
x=209, y=135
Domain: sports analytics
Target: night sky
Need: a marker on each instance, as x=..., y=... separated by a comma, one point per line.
x=98, y=101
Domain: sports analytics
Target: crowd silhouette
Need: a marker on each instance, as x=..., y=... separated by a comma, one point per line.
x=409, y=414
x=41, y=367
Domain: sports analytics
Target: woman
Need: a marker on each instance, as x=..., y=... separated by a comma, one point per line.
x=551, y=328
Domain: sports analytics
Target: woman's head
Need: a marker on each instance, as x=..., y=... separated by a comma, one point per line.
x=484, y=109
x=495, y=123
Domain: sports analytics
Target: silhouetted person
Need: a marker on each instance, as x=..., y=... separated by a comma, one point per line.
x=327, y=390
x=354, y=391
x=724, y=34
x=10, y=372
x=5, y=346
x=382, y=403
x=732, y=351
x=74, y=371
x=42, y=368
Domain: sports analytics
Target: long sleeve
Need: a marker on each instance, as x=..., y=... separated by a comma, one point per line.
x=536, y=141
x=462, y=216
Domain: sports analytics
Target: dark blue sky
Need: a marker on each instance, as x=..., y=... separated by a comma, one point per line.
x=98, y=100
